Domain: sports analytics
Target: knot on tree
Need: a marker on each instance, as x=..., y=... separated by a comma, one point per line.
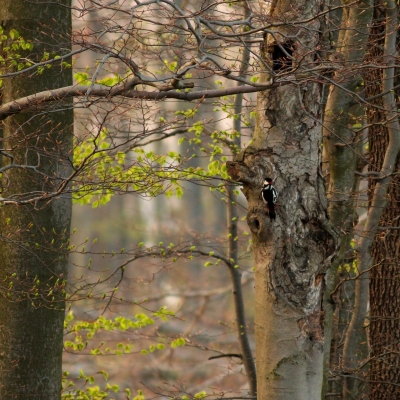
x=251, y=166
x=259, y=223
x=239, y=172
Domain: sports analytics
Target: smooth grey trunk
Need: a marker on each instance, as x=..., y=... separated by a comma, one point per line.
x=34, y=240
x=340, y=140
x=339, y=292
x=340, y=144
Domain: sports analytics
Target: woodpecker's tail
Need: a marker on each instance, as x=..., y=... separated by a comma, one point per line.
x=272, y=214
x=271, y=211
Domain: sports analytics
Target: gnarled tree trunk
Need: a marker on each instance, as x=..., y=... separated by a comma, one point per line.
x=293, y=252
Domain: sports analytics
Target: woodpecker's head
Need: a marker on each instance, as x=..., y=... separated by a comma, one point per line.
x=267, y=181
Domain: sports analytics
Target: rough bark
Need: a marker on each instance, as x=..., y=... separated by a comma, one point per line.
x=384, y=282
x=293, y=252
x=378, y=202
x=385, y=288
x=34, y=237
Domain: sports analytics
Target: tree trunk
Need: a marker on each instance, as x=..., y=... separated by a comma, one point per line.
x=341, y=142
x=34, y=236
x=384, y=282
x=378, y=199
x=385, y=288
x=233, y=245
x=293, y=252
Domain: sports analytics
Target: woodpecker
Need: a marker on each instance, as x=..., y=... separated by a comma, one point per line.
x=269, y=196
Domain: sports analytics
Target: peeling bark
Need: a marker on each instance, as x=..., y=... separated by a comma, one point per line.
x=293, y=252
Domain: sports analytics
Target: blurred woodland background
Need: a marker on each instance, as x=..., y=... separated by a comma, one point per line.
x=106, y=237
x=136, y=250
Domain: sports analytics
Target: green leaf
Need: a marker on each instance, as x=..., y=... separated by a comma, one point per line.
x=104, y=373
x=14, y=34
x=82, y=78
x=109, y=81
x=178, y=342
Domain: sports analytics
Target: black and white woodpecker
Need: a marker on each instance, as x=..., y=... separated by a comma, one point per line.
x=269, y=196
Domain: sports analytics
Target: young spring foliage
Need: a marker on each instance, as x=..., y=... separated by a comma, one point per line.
x=104, y=170
x=12, y=45
x=15, y=55
x=83, y=331
x=83, y=387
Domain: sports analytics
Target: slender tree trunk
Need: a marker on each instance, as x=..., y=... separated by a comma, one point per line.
x=34, y=237
x=236, y=280
x=233, y=248
x=341, y=297
x=293, y=252
x=341, y=142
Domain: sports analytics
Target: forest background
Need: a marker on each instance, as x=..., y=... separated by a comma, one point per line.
x=162, y=144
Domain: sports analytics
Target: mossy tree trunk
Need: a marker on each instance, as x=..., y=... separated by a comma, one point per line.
x=34, y=233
